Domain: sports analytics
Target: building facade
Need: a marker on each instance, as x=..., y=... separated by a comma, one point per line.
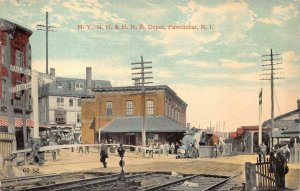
x=117, y=114
x=15, y=50
x=60, y=103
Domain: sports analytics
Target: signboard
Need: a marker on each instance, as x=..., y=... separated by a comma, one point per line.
x=20, y=87
x=46, y=76
x=20, y=70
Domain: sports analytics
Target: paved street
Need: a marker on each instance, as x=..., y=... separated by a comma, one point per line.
x=229, y=165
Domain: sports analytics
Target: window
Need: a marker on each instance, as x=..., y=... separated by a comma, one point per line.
x=60, y=101
x=71, y=102
x=79, y=102
x=60, y=116
x=59, y=84
x=3, y=88
x=170, y=110
x=78, y=118
x=79, y=86
x=109, y=108
x=3, y=55
x=19, y=58
x=166, y=108
x=129, y=108
x=150, y=107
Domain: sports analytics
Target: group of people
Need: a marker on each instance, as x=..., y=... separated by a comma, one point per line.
x=165, y=148
x=216, y=150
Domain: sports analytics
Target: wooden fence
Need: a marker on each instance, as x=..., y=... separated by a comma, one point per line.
x=265, y=175
x=6, y=144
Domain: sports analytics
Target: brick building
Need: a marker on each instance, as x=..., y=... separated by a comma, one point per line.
x=117, y=114
x=15, y=50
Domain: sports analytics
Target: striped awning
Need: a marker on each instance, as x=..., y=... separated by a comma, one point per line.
x=18, y=122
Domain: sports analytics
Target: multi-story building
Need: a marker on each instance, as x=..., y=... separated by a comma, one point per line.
x=117, y=114
x=60, y=103
x=15, y=50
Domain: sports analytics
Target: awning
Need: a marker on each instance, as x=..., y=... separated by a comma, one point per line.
x=18, y=122
x=153, y=124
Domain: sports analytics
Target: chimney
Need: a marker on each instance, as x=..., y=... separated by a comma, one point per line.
x=88, y=78
x=52, y=72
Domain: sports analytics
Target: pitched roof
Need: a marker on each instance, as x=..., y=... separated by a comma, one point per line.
x=68, y=87
x=153, y=124
x=281, y=118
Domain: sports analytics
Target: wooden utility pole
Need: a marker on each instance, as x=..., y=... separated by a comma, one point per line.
x=141, y=82
x=47, y=29
x=270, y=67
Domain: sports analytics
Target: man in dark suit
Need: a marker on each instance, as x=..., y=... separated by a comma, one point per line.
x=103, y=154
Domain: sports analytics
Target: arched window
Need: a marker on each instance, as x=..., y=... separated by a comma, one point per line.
x=129, y=107
x=150, y=107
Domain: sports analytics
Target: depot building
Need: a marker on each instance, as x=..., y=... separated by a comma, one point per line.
x=115, y=115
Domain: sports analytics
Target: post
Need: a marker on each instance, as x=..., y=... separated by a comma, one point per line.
x=47, y=27
x=250, y=173
x=24, y=118
x=272, y=100
x=259, y=119
x=143, y=104
x=35, y=98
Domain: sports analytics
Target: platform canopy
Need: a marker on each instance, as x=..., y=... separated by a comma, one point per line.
x=153, y=124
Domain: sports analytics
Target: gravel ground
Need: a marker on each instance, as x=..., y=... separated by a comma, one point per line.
x=69, y=161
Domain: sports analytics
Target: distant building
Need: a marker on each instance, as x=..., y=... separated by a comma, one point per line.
x=285, y=126
x=60, y=103
x=15, y=50
x=245, y=139
x=117, y=114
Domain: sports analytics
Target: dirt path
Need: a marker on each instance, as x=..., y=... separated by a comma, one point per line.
x=69, y=161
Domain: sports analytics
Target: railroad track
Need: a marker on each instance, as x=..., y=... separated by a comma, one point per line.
x=155, y=181
x=198, y=182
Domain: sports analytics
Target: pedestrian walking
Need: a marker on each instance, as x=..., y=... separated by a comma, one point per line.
x=262, y=151
x=161, y=147
x=221, y=149
x=86, y=148
x=216, y=150
x=103, y=154
x=80, y=149
x=172, y=148
x=194, y=152
x=211, y=151
x=190, y=150
x=166, y=148
x=177, y=147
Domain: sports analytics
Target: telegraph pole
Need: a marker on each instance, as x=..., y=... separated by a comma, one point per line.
x=47, y=29
x=270, y=67
x=141, y=82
